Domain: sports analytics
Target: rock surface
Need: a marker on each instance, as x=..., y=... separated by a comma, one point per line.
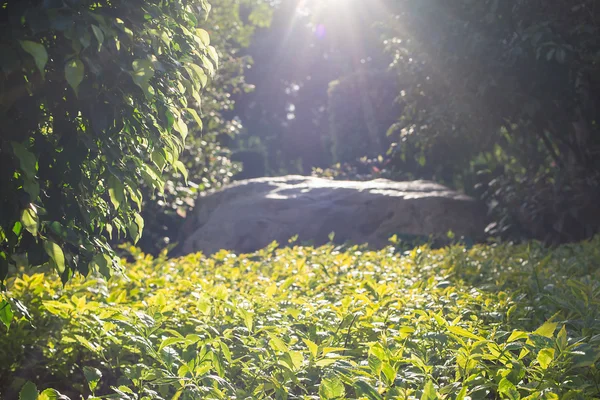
x=248, y=215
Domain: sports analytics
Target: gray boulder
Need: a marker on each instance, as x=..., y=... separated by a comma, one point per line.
x=248, y=215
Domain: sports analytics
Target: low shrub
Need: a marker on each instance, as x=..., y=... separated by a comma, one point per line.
x=492, y=321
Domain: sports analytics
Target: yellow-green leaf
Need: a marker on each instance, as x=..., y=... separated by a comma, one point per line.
x=56, y=254
x=313, y=348
x=331, y=388
x=212, y=53
x=196, y=117
x=30, y=221
x=457, y=330
x=116, y=191
x=204, y=36
x=547, y=329
x=178, y=165
x=545, y=357
x=277, y=344
x=517, y=335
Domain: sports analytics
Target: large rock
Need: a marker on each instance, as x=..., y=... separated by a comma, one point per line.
x=248, y=215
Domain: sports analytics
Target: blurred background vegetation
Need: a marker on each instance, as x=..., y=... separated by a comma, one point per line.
x=499, y=99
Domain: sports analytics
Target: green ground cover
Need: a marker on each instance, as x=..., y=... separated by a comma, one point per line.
x=491, y=321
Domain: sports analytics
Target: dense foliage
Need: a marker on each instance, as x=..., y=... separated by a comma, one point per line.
x=507, y=90
x=499, y=321
x=206, y=156
x=96, y=99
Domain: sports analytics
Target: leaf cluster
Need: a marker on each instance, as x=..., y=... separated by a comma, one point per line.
x=97, y=98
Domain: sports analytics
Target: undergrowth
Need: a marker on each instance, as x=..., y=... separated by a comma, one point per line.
x=499, y=321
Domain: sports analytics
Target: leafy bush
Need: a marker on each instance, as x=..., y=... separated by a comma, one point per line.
x=494, y=321
x=509, y=90
x=98, y=96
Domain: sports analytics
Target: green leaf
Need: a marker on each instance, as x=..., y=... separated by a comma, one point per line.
x=30, y=220
x=29, y=167
x=136, y=227
x=226, y=352
x=56, y=254
x=462, y=394
x=332, y=388
x=199, y=75
x=27, y=160
x=277, y=344
x=74, y=72
x=178, y=165
x=116, y=191
x=208, y=65
x=547, y=329
x=429, y=392
x=297, y=359
x=204, y=36
x=92, y=375
x=517, y=335
x=28, y=391
x=32, y=187
x=181, y=127
x=378, y=351
x=143, y=71
x=100, y=263
x=507, y=388
x=6, y=313
x=196, y=117
x=561, y=338
x=389, y=372
x=3, y=264
x=248, y=318
x=545, y=357
x=159, y=159
x=39, y=54
x=375, y=364
x=365, y=389
x=51, y=394
x=212, y=53
x=457, y=330
x=99, y=36
x=313, y=348
x=586, y=358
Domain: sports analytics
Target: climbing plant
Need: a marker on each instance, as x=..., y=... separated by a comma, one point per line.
x=96, y=99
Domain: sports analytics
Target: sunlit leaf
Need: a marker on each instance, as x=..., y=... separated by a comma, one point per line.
x=332, y=388
x=545, y=357
x=56, y=255
x=6, y=313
